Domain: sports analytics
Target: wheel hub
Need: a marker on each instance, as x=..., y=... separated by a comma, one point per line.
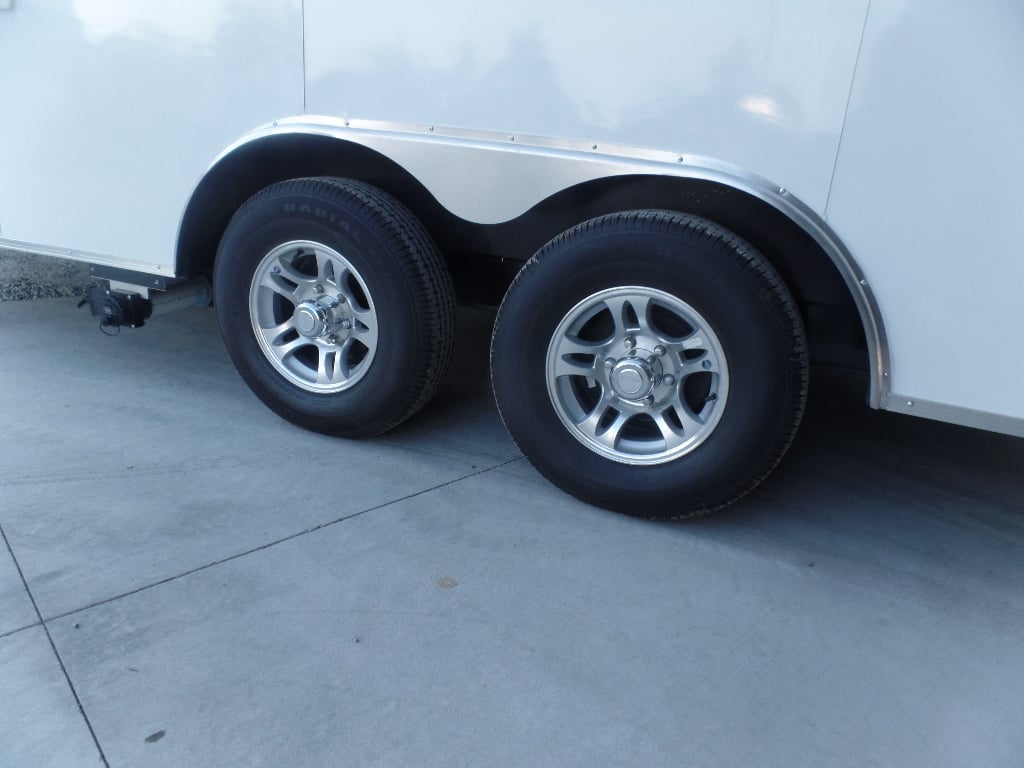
x=310, y=319
x=635, y=377
x=319, y=318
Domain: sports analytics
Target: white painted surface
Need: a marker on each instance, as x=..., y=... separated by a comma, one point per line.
x=928, y=197
x=115, y=108
x=760, y=85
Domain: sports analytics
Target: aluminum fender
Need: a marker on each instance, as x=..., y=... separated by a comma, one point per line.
x=488, y=178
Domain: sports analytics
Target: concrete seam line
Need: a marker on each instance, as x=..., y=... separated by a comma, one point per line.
x=53, y=647
x=11, y=632
x=275, y=542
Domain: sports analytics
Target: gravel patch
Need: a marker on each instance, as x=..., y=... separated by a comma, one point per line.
x=31, y=276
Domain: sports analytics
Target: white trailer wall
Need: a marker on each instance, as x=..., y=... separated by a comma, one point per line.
x=112, y=110
x=928, y=196
x=760, y=85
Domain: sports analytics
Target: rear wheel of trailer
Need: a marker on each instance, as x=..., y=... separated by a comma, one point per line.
x=650, y=362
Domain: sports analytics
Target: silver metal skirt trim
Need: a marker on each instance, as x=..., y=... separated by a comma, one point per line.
x=72, y=254
x=953, y=414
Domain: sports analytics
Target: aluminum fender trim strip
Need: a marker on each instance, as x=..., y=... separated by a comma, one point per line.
x=952, y=414
x=532, y=168
x=87, y=257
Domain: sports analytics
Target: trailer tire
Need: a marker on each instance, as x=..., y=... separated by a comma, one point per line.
x=335, y=305
x=650, y=362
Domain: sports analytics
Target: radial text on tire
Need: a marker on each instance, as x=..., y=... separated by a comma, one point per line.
x=334, y=304
x=650, y=362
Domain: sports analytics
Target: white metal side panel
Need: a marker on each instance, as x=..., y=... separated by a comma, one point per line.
x=929, y=197
x=112, y=110
x=760, y=85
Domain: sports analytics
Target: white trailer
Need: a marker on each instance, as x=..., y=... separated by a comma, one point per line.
x=705, y=196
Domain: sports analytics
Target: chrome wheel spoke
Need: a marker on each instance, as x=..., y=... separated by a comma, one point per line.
x=289, y=273
x=282, y=287
x=344, y=370
x=572, y=345
x=275, y=334
x=629, y=313
x=607, y=435
x=691, y=421
x=610, y=435
x=343, y=277
x=705, y=364
x=570, y=349
x=284, y=351
x=325, y=365
x=325, y=266
x=568, y=367
x=338, y=280
x=590, y=422
x=617, y=306
x=331, y=367
x=365, y=329
x=693, y=341
x=642, y=307
x=670, y=433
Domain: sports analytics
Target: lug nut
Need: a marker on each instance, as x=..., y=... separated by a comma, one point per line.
x=669, y=380
x=332, y=339
x=660, y=350
x=346, y=324
x=629, y=342
x=319, y=289
x=609, y=362
x=706, y=365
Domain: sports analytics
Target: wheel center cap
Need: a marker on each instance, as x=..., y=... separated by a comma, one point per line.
x=632, y=379
x=310, y=319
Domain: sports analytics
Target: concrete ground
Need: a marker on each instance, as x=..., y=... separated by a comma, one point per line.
x=187, y=580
